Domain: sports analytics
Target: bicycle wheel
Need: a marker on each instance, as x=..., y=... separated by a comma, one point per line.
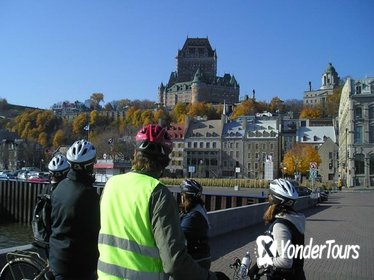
x=20, y=269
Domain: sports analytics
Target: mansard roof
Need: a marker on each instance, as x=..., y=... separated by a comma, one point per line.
x=315, y=134
x=233, y=129
x=199, y=43
x=204, y=128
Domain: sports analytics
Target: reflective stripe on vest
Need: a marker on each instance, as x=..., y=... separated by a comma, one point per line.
x=126, y=243
x=126, y=273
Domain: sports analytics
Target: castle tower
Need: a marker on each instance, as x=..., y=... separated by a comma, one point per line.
x=161, y=90
x=195, y=87
x=330, y=78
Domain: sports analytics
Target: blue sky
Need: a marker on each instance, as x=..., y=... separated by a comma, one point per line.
x=53, y=51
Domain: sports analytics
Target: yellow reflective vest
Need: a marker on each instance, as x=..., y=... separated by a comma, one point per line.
x=126, y=243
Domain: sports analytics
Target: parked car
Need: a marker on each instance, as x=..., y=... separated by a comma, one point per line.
x=321, y=194
x=5, y=175
x=37, y=177
x=303, y=191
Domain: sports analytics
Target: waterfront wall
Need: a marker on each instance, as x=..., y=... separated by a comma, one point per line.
x=18, y=198
x=227, y=220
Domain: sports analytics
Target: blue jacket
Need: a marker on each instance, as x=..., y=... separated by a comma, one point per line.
x=195, y=226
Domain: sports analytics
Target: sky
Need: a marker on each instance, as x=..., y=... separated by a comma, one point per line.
x=65, y=50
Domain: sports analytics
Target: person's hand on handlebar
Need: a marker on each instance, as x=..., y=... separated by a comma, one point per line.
x=221, y=276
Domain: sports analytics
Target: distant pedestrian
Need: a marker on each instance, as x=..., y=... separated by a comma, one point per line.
x=76, y=218
x=194, y=222
x=340, y=184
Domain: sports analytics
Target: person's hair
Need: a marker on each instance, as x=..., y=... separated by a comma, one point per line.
x=146, y=162
x=272, y=210
x=189, y=202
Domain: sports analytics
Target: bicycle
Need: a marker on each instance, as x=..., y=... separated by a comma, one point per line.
x=25, y=265
x=254, y=273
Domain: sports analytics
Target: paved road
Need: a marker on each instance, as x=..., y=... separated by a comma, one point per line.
x=347, y=218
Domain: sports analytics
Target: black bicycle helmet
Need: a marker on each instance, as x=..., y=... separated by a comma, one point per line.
x=191, y=187
x=283, y=192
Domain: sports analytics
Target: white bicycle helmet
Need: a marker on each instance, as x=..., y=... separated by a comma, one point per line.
x=81, y=153
x=283, y=192
x=58, y=165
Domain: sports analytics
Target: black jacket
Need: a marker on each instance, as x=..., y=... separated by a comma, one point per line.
x=75, y=226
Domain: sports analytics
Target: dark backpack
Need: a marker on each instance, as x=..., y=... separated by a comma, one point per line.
x=41, y=221
x=297, y=270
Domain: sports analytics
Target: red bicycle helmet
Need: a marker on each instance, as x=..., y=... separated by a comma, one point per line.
x=153, y=134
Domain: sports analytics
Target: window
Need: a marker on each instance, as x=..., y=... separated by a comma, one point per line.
x=358, y=113
x=237, y=145
x=214, y=144
x=371, y=112
x=371, y=133
x=358, y=135
x=237, y=154
x=208, y=144
x=371, y=165
x=201, y=145
x=359, y=164
x=249, y=146
x=195, y=144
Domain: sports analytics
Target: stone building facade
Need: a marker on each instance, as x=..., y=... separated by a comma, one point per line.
x=196, y=80
x=356, y=133
x=329, y=81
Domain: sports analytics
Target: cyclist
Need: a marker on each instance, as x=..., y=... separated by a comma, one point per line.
x=41, y=224
x=140, y=235
x=286, y=225
x=58, y=168
x=194, y=222
x=76, y=218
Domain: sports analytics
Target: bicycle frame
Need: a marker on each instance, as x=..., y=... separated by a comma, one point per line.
x=16, y=259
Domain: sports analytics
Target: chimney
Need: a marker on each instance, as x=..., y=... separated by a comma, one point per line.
x=310, y=86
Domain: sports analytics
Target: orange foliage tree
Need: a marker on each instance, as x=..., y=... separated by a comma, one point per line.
x=298, y=159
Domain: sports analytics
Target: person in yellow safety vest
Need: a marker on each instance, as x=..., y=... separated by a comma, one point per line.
x=140, y=235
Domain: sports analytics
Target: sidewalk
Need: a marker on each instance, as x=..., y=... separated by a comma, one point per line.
x=347, y=218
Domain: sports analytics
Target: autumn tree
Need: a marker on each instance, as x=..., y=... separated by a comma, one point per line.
x=298, y=159
x=245, y=108
x=276, y=104
x=58, y=138
x=31, y=123
x=78, y=125
x=43, y=139
x=179, y=112
x=310, y=112
x=96, y=98
x=333, y=101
